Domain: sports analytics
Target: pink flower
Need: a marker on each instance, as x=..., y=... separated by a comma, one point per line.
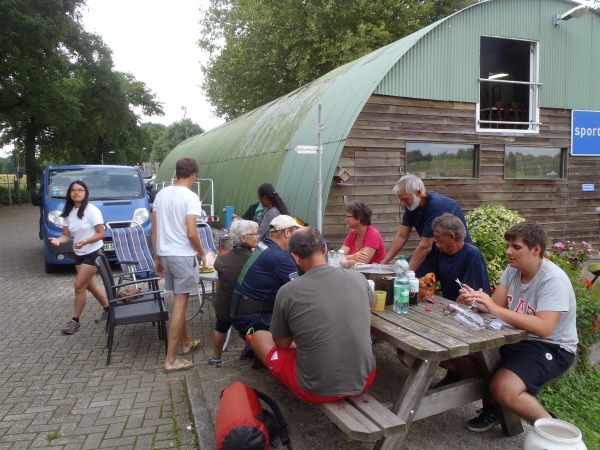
x=590, y=250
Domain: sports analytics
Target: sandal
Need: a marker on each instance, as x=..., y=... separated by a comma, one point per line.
x=215, y=361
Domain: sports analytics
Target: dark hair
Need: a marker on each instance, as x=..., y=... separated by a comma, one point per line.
x=267, y=190
x=186, y=167
x=70, y=204
x=531, y=233
x=360, y=211
x=450, y=224
x=305, y=242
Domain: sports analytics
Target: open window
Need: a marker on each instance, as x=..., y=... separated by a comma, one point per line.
x=508, y=86
x=429, y=160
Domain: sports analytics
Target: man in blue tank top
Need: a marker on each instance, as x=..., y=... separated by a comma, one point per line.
x=422, y=207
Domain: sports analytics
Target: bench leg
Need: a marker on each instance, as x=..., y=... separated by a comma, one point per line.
x=413, y=391
x=511, y=423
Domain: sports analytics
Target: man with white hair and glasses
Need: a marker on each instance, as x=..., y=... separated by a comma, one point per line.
x=422, y=207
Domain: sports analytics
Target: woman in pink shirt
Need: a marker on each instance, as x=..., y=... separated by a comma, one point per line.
x=364, y=243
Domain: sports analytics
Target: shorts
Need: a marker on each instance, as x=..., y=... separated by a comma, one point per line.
x=181, y=274
x=258, y=322
x=222, y=327
x=283, y=367
x=89, y=259
x=535, y=362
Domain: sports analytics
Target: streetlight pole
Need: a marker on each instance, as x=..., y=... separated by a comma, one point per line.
x=184, y=109
x=104, y=153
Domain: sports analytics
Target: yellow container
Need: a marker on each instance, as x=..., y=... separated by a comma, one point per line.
x=380, y=300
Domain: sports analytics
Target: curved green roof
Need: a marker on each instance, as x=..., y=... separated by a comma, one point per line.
x=438, y=62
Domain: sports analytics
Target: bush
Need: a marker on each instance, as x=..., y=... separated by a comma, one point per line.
x=4, y=198
x=571, y=252
x=487, y=225
x=588, y=307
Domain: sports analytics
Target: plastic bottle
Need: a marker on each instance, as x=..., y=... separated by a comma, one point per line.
x=343, y=264
x=413, y=282
x=331, y=258
x=466, y=316
x=371, y=284
x=401, y=287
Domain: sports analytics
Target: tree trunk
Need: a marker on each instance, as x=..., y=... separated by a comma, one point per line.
x=30, y=161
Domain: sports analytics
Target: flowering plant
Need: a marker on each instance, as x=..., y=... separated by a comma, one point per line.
x=572, y=252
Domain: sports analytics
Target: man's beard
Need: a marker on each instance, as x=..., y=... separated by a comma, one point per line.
x=415, y=203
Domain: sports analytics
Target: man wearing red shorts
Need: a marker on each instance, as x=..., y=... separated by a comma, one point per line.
x=327, y=312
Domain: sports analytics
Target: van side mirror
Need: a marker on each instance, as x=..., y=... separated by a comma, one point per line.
x=36, y=198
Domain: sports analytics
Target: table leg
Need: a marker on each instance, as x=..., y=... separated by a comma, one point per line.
x=489, y=362
x=201, y=297
x=413, y=391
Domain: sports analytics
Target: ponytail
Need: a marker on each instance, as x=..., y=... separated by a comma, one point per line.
x=267, y=190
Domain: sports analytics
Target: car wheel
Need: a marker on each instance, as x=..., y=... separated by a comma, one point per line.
x=51, y=268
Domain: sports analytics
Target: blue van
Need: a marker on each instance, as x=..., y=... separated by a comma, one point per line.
x=118, y=191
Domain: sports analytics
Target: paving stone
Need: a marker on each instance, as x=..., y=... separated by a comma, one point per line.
x=50, y=382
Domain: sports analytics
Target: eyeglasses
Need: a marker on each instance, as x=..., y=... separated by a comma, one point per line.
x=251, y=234
x=349, y=217
x=79, y=191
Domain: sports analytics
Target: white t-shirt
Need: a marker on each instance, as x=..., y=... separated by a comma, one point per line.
x=172, y=205
x=550, y=290
x=83, y=228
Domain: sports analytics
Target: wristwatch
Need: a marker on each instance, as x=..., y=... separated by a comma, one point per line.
x=84, y=242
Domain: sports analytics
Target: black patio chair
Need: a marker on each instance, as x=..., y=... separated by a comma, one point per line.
x=146, y=307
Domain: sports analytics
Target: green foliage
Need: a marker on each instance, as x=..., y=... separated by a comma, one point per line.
x=572, y=252
x=487, y=225
x=171, y=136
x=588, y=307
x=260, y=51
x=61, y=99
x=576, y=399
x=4, y=197
x=53, y=435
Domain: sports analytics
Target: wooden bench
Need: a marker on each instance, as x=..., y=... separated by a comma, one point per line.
x=363, y=418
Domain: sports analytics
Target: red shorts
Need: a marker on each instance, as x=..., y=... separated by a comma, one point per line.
x=283, y=367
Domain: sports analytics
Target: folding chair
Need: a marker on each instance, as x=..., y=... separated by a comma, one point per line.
x=131, y=248
x=147, y=307
x=134, y=256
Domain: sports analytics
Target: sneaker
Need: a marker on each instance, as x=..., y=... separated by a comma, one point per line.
x=486, y=420
x=71, y=327
x=450, y=378
x=103, y=318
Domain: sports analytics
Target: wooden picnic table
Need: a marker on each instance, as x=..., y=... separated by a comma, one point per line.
x=424, y=339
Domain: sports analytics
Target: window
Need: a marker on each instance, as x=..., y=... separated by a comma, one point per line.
x=427, y=160
x=534, y=162
x=508, y=86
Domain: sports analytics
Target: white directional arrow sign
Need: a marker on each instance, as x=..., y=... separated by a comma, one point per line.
x=307, y=149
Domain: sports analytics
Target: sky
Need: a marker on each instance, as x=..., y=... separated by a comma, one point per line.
x=156, y=42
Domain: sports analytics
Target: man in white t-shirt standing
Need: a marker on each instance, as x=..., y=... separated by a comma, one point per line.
x=175, y=241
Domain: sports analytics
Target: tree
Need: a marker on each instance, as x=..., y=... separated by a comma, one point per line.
x=172, y=136
x=60, y=98
x=260, y=51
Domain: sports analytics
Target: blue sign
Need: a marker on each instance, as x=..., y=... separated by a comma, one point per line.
x=585, y=133
x=587, y=187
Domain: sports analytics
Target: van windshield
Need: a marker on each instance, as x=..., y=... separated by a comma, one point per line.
x=103, y=183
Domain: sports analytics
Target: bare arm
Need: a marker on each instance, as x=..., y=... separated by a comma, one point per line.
x=192, y=235
x=100, y=234
x=420, y=253
x=62, y=239
x=158, y=267
x=397, y=244
x=542, y=324
x=283, y=343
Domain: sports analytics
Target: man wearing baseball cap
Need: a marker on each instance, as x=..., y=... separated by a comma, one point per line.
x=264, y=273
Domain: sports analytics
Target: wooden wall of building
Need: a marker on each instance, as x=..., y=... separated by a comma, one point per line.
x=374, y=155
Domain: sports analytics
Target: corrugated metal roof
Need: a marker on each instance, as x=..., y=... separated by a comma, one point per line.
x=438, y=62
x=444, y=64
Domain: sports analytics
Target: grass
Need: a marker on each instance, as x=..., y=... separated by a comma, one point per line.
x=576, y=399
x=53, y=436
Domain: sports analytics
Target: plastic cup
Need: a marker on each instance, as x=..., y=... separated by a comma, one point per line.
x=380, y=300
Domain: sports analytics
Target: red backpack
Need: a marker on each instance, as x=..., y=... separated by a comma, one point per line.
x=242, y=423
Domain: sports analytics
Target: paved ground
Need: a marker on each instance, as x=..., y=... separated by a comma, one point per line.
x=57, y=392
